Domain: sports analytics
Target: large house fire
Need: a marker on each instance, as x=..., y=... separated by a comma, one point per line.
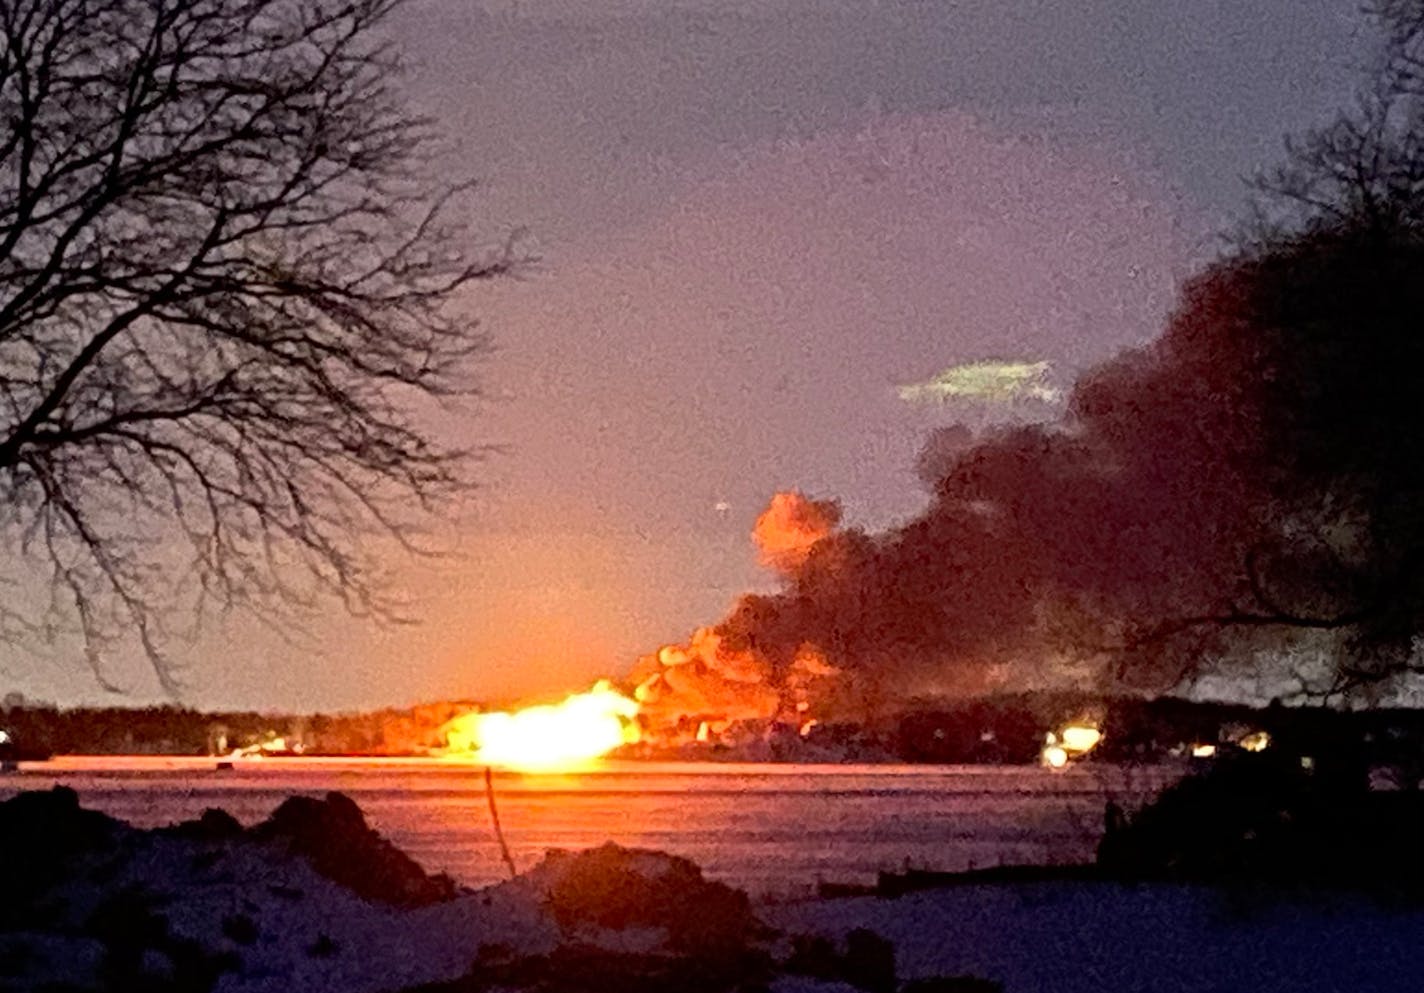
x=565, y=735
x=700, y=691
x=697, y=692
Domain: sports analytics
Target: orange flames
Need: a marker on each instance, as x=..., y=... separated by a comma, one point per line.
x=700, y=681
x=560, y=736
x=708, y=690
x=707, y=687
x=790, y=527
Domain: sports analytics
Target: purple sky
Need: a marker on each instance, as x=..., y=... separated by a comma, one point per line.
x=757, y=218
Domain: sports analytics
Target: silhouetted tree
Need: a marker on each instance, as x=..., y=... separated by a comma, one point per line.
x=226, y=288
x=1364, y=170
x=1317, y=323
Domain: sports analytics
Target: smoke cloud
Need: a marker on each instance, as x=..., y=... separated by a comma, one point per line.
x=1250, y=478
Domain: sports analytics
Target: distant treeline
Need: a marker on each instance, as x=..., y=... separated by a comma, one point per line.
x=1012, y=729
x=174, y=730
x=1001, y=729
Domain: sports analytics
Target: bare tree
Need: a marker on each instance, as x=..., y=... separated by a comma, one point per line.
x=1364, y=169
x=226, y=289
x=1328, y=286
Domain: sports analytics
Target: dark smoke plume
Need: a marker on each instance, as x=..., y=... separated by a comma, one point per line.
x=1255, y=473
x=1253, y=479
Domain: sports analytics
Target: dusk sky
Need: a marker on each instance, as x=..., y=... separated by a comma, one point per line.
x=756, y=220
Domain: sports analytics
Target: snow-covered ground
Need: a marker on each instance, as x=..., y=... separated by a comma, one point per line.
x=1108, y=938
x=372, y=947
x=285, y=926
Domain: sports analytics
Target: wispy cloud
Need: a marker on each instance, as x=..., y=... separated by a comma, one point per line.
x=988, y=381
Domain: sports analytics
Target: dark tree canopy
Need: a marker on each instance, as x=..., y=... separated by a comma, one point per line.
x=1325, y=306
x=226, y=289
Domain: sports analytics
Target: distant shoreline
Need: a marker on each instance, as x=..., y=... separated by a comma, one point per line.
x=100, y=761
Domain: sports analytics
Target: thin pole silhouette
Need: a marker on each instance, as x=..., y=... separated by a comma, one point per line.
x=494, y=817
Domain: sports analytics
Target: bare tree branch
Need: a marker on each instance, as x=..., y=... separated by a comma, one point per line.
x=226, y=288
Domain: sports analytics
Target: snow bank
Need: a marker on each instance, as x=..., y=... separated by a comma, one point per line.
x=314, y=900
x=1110, y=938
x=99, y=903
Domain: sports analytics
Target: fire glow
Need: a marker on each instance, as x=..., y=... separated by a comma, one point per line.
x=561, y=736
x=1073, y=741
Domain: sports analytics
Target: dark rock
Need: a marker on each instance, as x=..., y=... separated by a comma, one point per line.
x=324, y=947
x=129, y=927
x=15, y=960
x=613, y=887
x=494, y=954
x=869, y=962
x=43, y=837
x=127, y=918
x=815, y=956
x=240, y=928
x=195, y=968
x=332, y=835
x=141, y=953
x=212, y=825
x=579, y=969
x=952, y=984
x=37, y=823
x=309, y=818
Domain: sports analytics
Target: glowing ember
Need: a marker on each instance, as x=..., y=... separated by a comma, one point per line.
x=555, y=736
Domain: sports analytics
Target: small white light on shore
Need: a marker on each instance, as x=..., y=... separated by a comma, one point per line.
x=1055, y=757
x=1257, y=742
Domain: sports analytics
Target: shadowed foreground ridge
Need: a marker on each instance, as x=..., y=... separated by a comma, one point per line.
x=312, y=898
x=1253, y=819
x=53, y=831
x=212, y=906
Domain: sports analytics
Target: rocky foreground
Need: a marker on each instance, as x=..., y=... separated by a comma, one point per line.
x=313, y=899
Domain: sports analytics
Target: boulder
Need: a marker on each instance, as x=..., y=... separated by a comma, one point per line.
x=618, y=888
x=43, y=835
x=331, y=833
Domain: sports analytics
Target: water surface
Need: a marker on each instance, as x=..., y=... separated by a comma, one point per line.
x=773, y=829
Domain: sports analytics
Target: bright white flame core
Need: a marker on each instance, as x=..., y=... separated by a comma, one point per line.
x=1081, y=738
x=554, y=736
x=1071, y=742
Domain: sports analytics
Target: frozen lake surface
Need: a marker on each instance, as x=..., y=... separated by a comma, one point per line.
x=772, y=829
